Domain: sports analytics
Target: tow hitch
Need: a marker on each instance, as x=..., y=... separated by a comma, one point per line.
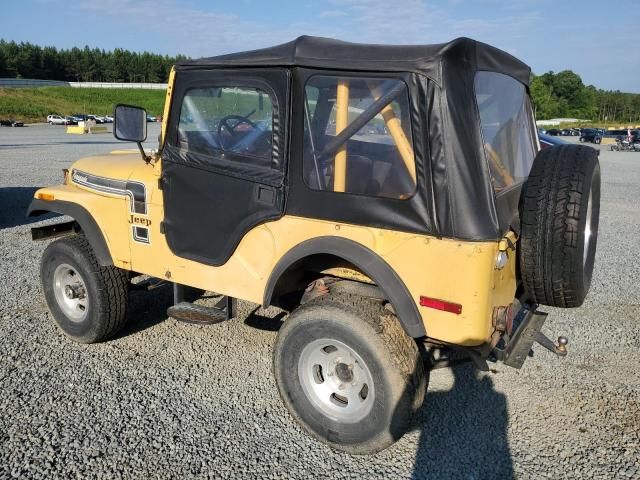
x=528, y=323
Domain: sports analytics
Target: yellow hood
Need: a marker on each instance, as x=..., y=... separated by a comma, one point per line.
x=116, y=165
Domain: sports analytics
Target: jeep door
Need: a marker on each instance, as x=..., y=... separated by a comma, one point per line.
x=223, y=158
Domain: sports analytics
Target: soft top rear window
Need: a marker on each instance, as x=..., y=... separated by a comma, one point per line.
x=508, y=130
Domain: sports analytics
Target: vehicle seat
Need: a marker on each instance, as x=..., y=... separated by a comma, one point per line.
x=360, y=175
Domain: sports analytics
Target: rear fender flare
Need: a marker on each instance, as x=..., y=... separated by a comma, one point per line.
x=366, y=260
x=86, y=221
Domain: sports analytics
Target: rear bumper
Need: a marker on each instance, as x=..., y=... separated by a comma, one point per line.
x=511, y=349
x=514, y=349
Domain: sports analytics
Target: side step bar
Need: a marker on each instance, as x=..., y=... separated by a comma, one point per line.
x=188, y=312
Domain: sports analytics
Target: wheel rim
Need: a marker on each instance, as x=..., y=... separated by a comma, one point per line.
x=336, y=380
x=70, y=292
x=587, y=230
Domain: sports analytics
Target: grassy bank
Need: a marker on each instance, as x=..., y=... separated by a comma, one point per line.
x=34, y=104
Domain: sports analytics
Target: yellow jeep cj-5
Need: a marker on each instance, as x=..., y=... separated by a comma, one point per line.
x=393, y=199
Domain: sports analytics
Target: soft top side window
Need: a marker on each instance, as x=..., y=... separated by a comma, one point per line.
x=228, y=119
x=358, y=136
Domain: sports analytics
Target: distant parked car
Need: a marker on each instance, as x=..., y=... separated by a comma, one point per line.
x=56, y=120
x=80, y=117
x=592, y=135
x=547, y=141
x=574, y=132
x=151, y=118
x=96, y=118
x=108, y=119
x=553, y=132
x=71, y=120
x=11, y=123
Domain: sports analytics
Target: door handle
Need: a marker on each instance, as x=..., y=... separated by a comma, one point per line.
x=266, y=195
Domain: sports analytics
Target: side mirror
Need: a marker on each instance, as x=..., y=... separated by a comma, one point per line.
x=130, y=123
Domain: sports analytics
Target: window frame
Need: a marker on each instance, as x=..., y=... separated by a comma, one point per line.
x=271, y=81
x=361, y=76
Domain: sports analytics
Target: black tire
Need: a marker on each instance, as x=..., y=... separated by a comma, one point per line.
x=556, y=261
x=106, y=290
x=393, y=358
x=349, y=287
x=597, y=140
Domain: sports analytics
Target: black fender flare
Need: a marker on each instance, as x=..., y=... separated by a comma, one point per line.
x=82, y=217
x=366, y=260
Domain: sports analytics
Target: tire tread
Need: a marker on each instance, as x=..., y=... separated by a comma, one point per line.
x=550, y=256
x=112, y=284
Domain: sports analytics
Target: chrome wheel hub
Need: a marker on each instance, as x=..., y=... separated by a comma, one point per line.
x=336, y=380
x=70, y=292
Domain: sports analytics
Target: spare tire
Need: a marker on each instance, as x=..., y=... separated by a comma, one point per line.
x=560, y=208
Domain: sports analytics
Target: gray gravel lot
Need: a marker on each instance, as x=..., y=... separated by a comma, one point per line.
x=170, y=400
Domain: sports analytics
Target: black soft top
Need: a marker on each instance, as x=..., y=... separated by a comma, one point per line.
x=455, y=196
x=319, y=52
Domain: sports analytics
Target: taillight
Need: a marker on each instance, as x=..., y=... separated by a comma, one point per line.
x=440, y=305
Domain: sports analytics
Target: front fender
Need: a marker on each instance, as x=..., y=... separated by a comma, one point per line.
x=86, y=221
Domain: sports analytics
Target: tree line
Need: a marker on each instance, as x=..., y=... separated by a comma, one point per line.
x=25, y=60
x=564, y=95
x=555, y=95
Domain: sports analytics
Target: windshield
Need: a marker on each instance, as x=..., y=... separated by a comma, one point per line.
x=507, y=128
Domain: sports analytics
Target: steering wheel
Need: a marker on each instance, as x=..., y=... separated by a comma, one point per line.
x=229, y=141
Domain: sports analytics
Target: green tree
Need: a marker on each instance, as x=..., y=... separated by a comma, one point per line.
x=544, y=102
x=26, y=60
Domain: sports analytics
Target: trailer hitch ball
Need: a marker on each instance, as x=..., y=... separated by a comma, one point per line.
x=561, y=348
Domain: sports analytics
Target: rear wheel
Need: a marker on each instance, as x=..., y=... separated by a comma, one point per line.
x=348, y=373
x=560, y=212
x=87, y=301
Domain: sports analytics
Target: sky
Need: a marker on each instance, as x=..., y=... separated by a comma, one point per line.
x=590, y=37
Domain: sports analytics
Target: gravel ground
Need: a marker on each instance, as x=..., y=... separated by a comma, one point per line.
x=170, y=400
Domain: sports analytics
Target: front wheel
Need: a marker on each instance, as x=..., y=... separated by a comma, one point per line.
x=87, y=301
x=348, y=373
